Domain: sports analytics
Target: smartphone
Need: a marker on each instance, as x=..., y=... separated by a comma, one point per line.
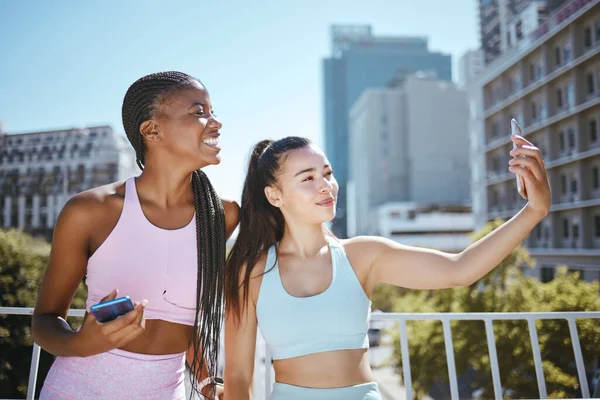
x=111, y=309
x=516, y=130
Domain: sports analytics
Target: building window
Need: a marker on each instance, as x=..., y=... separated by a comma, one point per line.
x=593, y=130
x=532, y=73
x=557, y=56
x=573, y=185
x=597, y=226
x=577, y=271
x=597, y=26
x=561, y=141
x=533, y=112
x=563, y=184
x=595, y=178
x=519, y=30
x=571, y=139
x=559, y=98
x=570, y=95
x=587, y=37
x=590, y=83
x=567, y=54
x=575, y=231
x=495, y=128
x=565, y=228
x=543, y=111
x=547, y=274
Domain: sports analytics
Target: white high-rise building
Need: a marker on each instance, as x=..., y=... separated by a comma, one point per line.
x=408, y=143
x=470, y=66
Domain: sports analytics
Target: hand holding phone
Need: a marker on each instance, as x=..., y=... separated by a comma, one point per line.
x=516, y=130
x=97, y=337
x=111, y=309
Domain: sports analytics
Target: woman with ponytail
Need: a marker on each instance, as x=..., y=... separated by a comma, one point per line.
x=309, y=292
x=158, y=238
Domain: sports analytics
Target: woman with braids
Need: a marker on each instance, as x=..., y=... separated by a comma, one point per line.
x=158, y=238
x=309, y=293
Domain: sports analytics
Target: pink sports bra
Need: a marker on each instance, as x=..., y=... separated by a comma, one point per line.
x=147, y=262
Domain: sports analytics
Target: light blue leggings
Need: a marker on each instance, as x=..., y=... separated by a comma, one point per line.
x=365, y=391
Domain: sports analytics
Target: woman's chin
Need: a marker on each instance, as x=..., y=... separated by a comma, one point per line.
x=209, y=160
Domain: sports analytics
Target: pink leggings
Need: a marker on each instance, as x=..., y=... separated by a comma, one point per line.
x=116, y=375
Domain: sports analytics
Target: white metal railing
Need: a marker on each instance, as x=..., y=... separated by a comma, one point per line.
x=402, y=318
x=488, y=319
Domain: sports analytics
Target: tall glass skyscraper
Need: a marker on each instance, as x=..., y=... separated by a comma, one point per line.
x=359, y=61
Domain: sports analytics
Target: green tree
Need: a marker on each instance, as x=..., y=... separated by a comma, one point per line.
x=23, y=260
x=384, y=297
x=505, y=289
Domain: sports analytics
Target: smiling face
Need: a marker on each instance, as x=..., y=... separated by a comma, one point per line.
x=305, y=190
x=184, y=127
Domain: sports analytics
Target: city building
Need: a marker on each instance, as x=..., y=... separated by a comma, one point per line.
x=39, y=171
x=552, y=88
x=408, y=143
x=441, y=227
x=507, y=24
x=361, y=60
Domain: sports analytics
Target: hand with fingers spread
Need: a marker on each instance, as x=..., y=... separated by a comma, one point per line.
x=98, y=337
x=527, y=163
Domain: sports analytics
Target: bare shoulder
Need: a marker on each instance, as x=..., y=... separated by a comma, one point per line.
x=369, y=243
x=89, y=205
x=362, y=249
x=232, y=215
x=230, y=206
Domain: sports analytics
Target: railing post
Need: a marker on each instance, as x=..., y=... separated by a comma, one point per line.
x=491, y=341
x=33, y=371
x=537, y=357
x=585, y=391
x=450, y=359
x=405, y=359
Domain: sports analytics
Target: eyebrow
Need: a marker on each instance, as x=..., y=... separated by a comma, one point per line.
x=198, y=104
x=311, y=170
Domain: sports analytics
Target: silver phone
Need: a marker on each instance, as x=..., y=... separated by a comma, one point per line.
x=515, y=129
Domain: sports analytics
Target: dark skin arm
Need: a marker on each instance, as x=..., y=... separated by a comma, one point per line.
x=66, y=267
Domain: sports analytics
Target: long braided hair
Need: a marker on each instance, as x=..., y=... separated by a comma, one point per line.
x=141, y=103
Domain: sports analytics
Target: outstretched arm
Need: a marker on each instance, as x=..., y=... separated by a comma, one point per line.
x=419, y=268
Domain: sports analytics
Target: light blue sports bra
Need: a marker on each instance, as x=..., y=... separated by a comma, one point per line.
x=336, y=319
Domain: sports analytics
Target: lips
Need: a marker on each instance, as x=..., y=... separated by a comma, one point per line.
x=212, y=141
x=326, y=202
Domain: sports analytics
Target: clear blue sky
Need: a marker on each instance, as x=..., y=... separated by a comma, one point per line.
x=68, y=63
